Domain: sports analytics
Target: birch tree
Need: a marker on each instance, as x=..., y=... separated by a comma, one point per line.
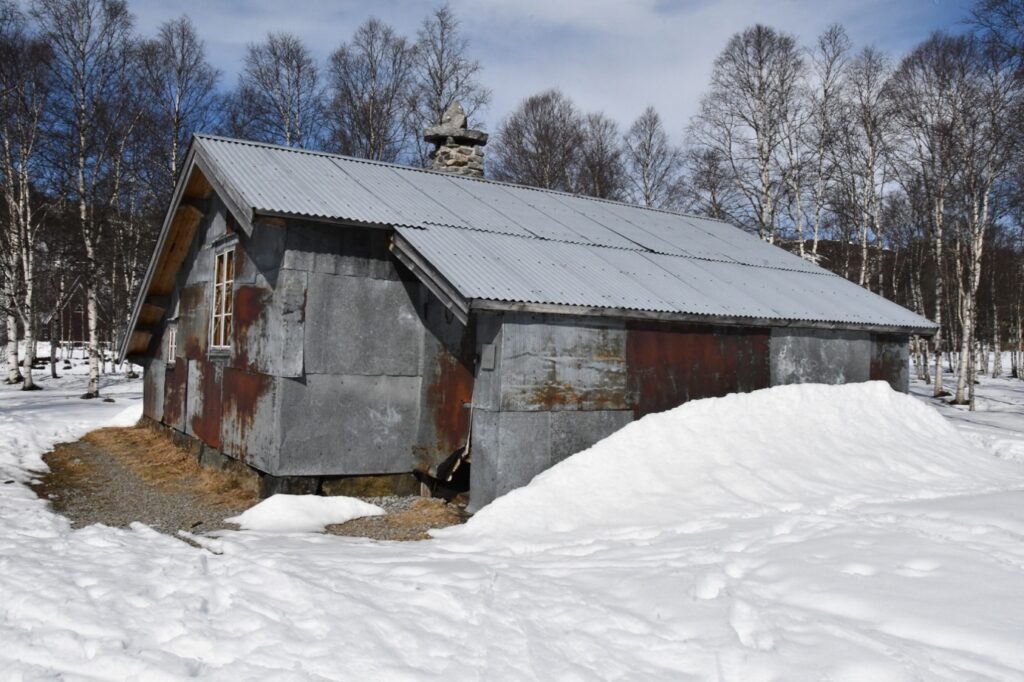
x=92, y=44
x=24, y=97
x=443, y=73
x=371, y=80
x=599, y=170
x=706, y=185
x=863, y=147
x=985, y=142
x=652, y=161
x=754, y=88
x=538, y=142
x=181, y=88
x=279, y=98
x=828, y=63
x=925, y=110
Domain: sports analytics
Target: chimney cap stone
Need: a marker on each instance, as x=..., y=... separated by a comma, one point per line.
x=454, y=129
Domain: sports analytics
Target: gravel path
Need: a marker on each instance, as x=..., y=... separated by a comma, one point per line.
x=88, y=485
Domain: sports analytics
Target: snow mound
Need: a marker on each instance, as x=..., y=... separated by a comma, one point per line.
x=801, y=448
x=302, y=513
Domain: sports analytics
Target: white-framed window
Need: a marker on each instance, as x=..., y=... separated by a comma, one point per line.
x=223, y=280
x=172, y=342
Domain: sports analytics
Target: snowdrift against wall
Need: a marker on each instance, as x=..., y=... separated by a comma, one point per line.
x=802, y=448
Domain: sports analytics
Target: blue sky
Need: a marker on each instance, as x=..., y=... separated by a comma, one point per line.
x=608, y=55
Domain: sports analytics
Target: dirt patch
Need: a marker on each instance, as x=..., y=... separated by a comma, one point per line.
x=155, y=458
x=119, y=476
x=407, y=518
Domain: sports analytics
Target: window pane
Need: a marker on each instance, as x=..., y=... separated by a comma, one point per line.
x=229, y=258
x=218, y=275
x=218, y=303
x=227, y=330
x=227, y=299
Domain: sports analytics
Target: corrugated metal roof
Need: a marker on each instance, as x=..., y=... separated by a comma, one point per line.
x=501, y=242
x=498, y=267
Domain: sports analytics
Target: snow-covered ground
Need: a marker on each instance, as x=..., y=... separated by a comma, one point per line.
x=799, y=533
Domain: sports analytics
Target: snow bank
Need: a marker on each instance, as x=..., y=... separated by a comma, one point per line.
x=302, y=513
x=807, y=448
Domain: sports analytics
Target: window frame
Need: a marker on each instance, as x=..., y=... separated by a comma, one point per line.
x=172, y=343
x=222, y=308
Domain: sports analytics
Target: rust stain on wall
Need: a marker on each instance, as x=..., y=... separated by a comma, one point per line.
x=175, y=385
x=206, y=425
x=450, y=393
x=250, y=304
x=555, y=395
x=242, y=393
x=668, y=365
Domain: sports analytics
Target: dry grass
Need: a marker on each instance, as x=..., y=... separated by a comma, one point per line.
x=411, y=523
x=155, y=458
x=67, y=468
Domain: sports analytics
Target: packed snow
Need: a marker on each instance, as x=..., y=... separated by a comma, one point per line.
x=302, y=513
x=807, y=449
x=798, y=533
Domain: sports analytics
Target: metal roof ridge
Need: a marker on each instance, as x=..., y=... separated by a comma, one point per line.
x=501, y=183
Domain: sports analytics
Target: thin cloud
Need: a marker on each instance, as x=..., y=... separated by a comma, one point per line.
x=608, y=55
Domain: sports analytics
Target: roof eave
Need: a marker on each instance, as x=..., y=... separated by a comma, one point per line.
x=489, y=305
x=140, y=296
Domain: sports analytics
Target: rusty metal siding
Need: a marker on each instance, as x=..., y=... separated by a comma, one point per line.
x=890, y=360
x=448, y=366
x=205, y=402
x=250, y=422
x=562, y=364
x=153, y=390
x=668, y=365
x=175, y=386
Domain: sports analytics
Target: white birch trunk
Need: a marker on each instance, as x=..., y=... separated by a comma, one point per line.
x=13, y=369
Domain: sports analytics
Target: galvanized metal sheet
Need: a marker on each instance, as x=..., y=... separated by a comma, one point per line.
x=496, y=267
x=502, y=242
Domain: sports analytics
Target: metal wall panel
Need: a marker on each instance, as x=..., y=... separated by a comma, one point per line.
x=347, y=425
x=890, y=360
x=448, y=369
x=816, y=356
x=251, y=422
x=153, y=390
x=562, y=364
x=669, y=365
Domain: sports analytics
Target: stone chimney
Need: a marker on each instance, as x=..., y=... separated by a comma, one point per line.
x=456, y=148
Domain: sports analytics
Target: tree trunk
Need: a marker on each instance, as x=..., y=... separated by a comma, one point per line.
x=30, y=358
x=997, y=343
x=13, y=369
x=937, y=222
x=92, y=314
x=53, y=347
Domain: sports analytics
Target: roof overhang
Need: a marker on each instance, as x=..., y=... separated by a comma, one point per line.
x=198, y=180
